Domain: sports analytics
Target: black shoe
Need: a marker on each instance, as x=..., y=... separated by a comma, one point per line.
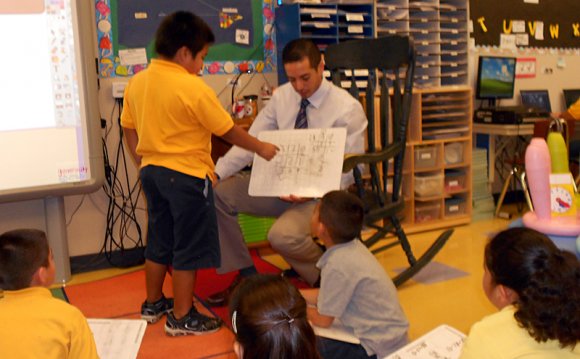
x=221, y=298
x=193, y=323
x=290, y=273
x=152, y=312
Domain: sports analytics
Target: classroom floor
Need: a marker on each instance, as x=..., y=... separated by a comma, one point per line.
x=458, y=301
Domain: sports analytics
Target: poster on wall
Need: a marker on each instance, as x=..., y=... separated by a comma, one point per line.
x=541, y=23
x=243, y=29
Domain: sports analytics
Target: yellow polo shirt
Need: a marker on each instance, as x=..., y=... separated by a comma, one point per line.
x=35, y=325
x=575, y=110
x=174, y=114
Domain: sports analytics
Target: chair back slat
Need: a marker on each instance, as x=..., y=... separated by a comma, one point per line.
x=389, y=63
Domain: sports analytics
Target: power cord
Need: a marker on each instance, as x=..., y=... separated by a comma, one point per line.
x=122, y=209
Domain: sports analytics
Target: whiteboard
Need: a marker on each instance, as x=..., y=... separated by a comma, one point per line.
x=309, y=163
x=50, y=139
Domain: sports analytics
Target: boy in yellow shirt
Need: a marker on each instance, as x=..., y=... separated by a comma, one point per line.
x=34, y=323
x=169, y=116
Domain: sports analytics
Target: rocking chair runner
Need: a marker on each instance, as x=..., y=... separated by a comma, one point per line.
x=382, y=60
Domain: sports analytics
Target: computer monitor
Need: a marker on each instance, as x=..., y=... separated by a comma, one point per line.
x=539, y=99
x=495, y=78
x=571, y=96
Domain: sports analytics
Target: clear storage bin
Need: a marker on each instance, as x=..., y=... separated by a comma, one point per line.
x=453, y=153
x=425, y=212
x=429, y=185
x=454, y=181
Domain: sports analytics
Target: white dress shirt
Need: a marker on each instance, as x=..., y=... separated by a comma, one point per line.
x=330, y=106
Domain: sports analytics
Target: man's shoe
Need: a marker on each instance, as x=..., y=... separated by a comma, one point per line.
x=221, y=298
x=152, y=312
x=193, y=323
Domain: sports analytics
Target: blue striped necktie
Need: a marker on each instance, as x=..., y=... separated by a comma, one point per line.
x=301, y=120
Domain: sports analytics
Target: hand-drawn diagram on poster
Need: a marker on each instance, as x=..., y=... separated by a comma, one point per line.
x=309, y=163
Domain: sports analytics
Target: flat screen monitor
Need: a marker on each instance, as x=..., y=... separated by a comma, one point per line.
x=571, y=96
x=538, y=99
x=495, y=77
x=50, y=141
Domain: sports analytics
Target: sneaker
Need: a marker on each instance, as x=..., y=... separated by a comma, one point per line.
x=221, y=298
x=152, y=312
x=193, y=323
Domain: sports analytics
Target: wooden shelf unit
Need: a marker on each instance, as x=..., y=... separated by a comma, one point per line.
x=443, y=154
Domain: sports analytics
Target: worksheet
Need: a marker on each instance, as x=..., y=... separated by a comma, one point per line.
x=309, y=163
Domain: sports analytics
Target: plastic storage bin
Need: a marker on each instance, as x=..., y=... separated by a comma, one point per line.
x=454, y=181
x=453, y=153
x=425, y=212
x=425, y=157
x=454, y=206
x=429, y=185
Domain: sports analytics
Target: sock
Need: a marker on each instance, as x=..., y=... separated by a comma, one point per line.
x=248, y=271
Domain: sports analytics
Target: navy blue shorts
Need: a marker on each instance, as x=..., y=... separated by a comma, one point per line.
x=182, y=226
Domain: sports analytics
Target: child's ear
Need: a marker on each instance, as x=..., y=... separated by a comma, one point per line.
x=238, y=349
x=40, y=278
x=506, y=295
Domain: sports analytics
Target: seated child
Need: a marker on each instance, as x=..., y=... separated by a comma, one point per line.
x=536, y=287
x=269, y=320
x=34, y=323
x=354, y=288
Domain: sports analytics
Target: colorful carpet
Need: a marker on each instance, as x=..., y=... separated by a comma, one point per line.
x=121, y=297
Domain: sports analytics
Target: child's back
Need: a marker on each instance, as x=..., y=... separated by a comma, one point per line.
x=37, y=325
x=356, y=289
x=34, y=324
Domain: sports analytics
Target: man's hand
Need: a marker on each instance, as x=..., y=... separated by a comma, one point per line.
x=295, y=199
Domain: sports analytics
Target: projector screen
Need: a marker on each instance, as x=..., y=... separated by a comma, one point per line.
x=50, y=143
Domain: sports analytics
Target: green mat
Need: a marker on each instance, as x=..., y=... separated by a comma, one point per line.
x=59, y=293
x=254, y=228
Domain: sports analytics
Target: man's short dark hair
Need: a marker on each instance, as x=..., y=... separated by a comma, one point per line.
x=297, y=50
x=342, y=214
x=182, y=28
x=22, y=252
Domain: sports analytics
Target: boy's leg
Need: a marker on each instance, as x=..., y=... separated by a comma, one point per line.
x=159, y=245
x=183, y=287
x=154, y=278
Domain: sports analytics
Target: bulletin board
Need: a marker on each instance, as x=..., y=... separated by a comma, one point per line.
x=243, y=29
x=533, y=23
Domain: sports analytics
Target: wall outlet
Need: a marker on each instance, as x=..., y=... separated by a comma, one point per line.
x=119, y=89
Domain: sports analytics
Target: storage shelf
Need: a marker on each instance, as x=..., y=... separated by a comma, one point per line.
x=324, y=24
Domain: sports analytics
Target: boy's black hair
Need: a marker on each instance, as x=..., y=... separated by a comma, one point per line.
x=22, y=252
x=342, y=213
x=298, y=49
x=182, y=28
x=545, y=279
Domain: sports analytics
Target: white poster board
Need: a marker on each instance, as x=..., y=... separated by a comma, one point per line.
x=309, y=163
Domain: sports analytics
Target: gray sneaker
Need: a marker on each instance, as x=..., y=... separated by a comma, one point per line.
x=152, y=312
x=193, y=323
